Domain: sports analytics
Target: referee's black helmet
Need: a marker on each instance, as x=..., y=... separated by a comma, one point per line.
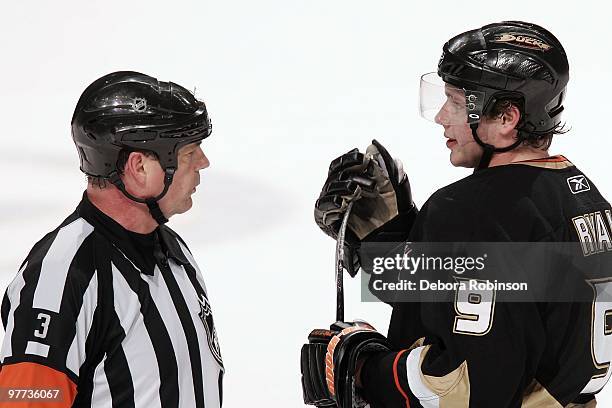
x=130, y=111
x=133, y=111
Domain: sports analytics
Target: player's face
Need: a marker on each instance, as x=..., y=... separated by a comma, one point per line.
x=191, y=159
x=465, y=152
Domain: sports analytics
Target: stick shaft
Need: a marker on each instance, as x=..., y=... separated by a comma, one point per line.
x=340, y=265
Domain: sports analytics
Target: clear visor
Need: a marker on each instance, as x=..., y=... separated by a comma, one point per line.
x=446, y=104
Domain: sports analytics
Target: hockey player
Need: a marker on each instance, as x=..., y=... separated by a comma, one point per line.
x=500, y=104
x=110, y=308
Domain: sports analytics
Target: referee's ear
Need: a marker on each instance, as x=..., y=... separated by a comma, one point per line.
x=142, y=175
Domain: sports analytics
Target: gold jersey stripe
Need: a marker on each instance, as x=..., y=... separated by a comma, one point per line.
x=554, y=162
x=537, y=396
x=452, y=390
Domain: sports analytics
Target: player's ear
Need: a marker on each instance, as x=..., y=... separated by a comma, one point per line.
x=510, y=119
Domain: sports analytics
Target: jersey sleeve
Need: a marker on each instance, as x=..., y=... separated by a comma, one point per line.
x=48, y=313
x=465, y=366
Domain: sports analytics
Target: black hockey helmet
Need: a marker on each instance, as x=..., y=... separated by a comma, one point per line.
x=511, y=59
x=133, y=111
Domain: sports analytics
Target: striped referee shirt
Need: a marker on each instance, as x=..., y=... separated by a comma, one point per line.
x=122, y=317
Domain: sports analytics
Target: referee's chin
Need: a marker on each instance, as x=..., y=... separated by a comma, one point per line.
x=178, y=208
x=185, y=206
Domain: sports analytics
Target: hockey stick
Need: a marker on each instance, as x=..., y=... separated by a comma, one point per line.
x=340, y=264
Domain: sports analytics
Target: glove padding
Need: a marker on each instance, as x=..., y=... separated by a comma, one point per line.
x=329, y=360
x=381, y=192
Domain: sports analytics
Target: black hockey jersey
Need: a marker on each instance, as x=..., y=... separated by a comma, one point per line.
x=545, y=354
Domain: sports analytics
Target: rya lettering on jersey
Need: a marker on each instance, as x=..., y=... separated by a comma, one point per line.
x=593, y=231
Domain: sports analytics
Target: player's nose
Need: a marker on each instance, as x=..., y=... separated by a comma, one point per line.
x=440, y=117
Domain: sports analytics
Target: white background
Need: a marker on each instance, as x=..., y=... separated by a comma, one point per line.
x=290, y=85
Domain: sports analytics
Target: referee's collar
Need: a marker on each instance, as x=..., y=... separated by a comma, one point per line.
x=166, y=243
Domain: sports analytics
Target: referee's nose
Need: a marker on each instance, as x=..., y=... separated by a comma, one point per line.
x=202, y=161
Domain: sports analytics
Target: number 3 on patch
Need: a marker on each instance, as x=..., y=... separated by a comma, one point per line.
x=41, y=332
x=475, y=309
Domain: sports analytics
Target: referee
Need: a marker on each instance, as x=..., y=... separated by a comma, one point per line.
x=110, y=308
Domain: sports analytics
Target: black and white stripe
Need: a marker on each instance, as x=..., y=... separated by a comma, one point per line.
x=126, y=338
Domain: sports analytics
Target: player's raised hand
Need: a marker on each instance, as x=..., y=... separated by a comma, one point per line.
x=346, y=181
x=383, y=209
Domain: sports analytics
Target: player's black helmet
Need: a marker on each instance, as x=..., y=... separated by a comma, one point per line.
x=511, y=59
x=133, y=111
x=130, y=110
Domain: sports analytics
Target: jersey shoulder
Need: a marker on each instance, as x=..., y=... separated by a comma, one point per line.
x=526, y=201
x=56, y=250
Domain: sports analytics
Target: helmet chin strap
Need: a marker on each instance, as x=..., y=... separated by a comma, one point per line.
x=152, y=202
x=488, y=149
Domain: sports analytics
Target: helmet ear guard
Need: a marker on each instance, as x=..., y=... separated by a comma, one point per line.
x=502, y=96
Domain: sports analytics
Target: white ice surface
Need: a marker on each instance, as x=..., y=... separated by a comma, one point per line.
x=290, y=85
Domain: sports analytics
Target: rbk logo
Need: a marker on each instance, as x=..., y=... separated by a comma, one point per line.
x=211, y=333
x=578, y=184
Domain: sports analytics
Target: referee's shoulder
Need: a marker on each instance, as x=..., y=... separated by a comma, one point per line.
x=69, y=250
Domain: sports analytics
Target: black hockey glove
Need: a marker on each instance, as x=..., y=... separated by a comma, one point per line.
x=383, y=209
x=328, y=363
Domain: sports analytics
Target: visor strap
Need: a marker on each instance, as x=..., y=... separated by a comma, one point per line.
x=489, y=150
x=155, y=211
x=508, y=148
x=152, y=203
